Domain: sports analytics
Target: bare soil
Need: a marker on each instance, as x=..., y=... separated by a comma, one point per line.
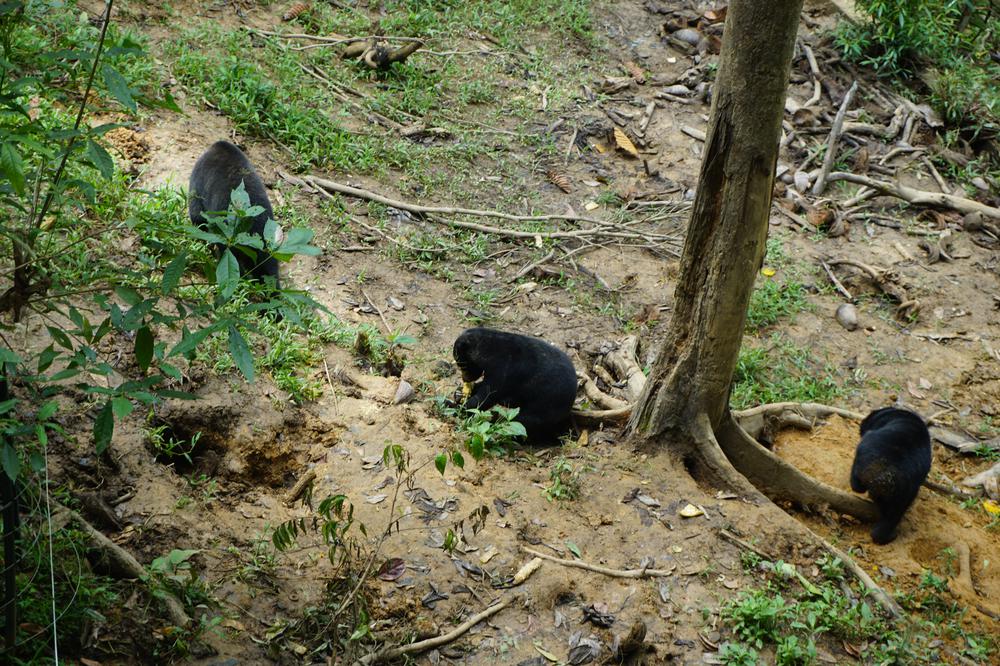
x=256, y=444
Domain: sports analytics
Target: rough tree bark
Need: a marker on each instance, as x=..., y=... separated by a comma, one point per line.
x=685, y=401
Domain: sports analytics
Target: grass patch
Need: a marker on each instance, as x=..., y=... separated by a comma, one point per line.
x=779, y=372
x=773, y=299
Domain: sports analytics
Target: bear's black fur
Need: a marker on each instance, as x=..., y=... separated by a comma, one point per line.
x=215, y=175
x=891, y=461
x=518, y=371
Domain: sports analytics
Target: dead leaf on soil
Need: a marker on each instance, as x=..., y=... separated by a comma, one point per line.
x=624, y=143
x=691, y=511
x=392, y=569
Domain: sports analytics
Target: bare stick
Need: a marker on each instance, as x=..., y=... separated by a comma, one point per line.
x=601, y=228
x=884, y=600
x=797, y=219
x=836, y=283
x=388, y=329
x=729, y=536
x=388, y=654
x=307, y=478
x=918, y=197
x=532, y=266
x=128, y=565
x=952, y=490
x=596, y=568
x=934, y=172
x=572, y=143
x=440, y=210
x=831, y=144
x=694, y=133
x=817, y=88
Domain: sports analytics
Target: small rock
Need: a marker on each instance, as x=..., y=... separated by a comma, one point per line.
x=677, y=89
x=847, y=316
x=688, y=35
x=801, y=181
x=980, y=183
x=404, y=392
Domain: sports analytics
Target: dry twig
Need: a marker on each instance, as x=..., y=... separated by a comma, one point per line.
x=596, y=568
x=831, y=144
x=388, y=654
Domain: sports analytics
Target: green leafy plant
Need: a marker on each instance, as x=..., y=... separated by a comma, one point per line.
x=947, y=42
x=168, y=447
x=564, y=481
x=736, y=654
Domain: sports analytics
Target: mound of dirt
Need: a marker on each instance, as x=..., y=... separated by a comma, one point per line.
x=933, y=524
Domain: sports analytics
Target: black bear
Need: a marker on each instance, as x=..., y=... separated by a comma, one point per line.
x=216, y=174
x=518, y=371
x=891, y=461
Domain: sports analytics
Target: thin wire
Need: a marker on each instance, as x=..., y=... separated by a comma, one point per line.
x=52, y=567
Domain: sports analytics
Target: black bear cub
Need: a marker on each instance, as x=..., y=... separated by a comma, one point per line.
x=518, y=371
x=216, y=174
x=892, y=460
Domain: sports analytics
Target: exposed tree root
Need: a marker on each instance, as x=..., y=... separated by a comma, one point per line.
x=624, y=363
x=765, y=421
x=988, y=480
x=597, y=416
x=782, y=480
x=811, y=410
x=599, y=397
x=596, y=568
x=124, y=565
x=377, y=54
x=388, y=654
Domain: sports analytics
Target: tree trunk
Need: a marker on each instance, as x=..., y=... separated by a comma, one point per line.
x=685, y=401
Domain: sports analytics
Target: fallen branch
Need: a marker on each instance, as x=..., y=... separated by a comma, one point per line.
x=887, y=281
x=596, y=568
x=814, y=67
x=949, y=489
x=127, y=565
x=918, y=197
x=831, y=144
x=624, y=363
x=388, y=654
x=600, y=228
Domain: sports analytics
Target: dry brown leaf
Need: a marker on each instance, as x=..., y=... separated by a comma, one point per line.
x=635, y=71
x=295, y=10
x=560, y=180
x=717, y=15
x=625, y=143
